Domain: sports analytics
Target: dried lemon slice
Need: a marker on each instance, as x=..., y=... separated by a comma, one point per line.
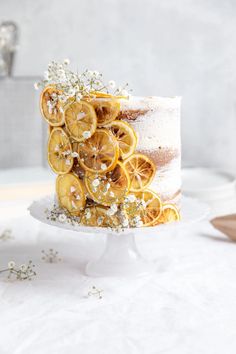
x=97, y=215
x=59, y=151
x=144, y=209
x=169, y=214
x=100, y=94
x=99, y=153
x=126, y=137
x=108, y=188
x=81, y=120
x=70, y=193
x=52, y=109
x=141, y=170
x=106, y=109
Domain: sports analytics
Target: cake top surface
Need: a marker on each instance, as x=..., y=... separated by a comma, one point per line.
x=150, y=102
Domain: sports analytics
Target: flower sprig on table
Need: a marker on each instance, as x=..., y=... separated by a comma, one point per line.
x=22, y=272
x=75, y=85
x=95, y=292
x=51, y=256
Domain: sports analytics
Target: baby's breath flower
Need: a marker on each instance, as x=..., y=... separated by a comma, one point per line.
x=36, y=85
x=71, y=91
x=23, y=267
x=112, y=210
x=62, y=218
x=78, y=97
x=125, y=222
x=74, y=154
x=96, y=182
x=103, y=166
x=75, y=85
x=95, y=73
x=86, y=134
x=112, y=84
x=66, y=61
x=11, y=264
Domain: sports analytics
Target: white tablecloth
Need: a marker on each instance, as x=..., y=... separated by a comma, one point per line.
x=187, y=307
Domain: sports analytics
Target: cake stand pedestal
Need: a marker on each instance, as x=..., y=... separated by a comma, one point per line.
x=121, y=256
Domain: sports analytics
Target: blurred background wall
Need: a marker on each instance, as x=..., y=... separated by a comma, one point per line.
x=161, y=47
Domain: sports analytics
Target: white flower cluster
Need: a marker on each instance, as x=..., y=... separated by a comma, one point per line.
x=22, y=272
x=75, y=85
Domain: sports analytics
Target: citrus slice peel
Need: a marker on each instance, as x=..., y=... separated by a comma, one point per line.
x=59, y=151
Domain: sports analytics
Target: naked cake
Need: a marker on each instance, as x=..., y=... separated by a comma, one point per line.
x=156, y=120
x=116, y=156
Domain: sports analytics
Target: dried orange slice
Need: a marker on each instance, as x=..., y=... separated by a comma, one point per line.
x=70, y=193
x=98, y=216
x=81, y=120
x=126, y=137
x=169, y=214
x=59, y=151
x=99, y=153
x=107, y=109
x=52, y=109
x=141, y=170
x=144, y=209
x=109, y=188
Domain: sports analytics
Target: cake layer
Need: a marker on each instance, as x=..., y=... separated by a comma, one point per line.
x=156, y=121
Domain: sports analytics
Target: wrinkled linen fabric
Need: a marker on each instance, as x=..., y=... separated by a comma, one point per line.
x=187, y=306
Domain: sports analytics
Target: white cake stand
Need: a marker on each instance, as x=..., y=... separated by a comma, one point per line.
x=121, y=256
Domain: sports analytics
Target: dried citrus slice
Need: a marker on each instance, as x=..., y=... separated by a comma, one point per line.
x=126, y=137
x=141, y=170
x=59, y=151
x=70, y=193
x=100, y=94
x=108, y=188
x=107, y=109
x=169, y=214
x=99, y=153
x=81, y=120
x=97, y=215
x=143, y=209
x=50, y=128
x=52, y=109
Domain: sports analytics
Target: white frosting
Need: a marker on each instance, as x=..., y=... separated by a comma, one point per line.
x=167, y=181
x=160, y=125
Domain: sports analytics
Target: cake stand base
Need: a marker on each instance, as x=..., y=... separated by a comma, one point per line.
x=120, y=258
